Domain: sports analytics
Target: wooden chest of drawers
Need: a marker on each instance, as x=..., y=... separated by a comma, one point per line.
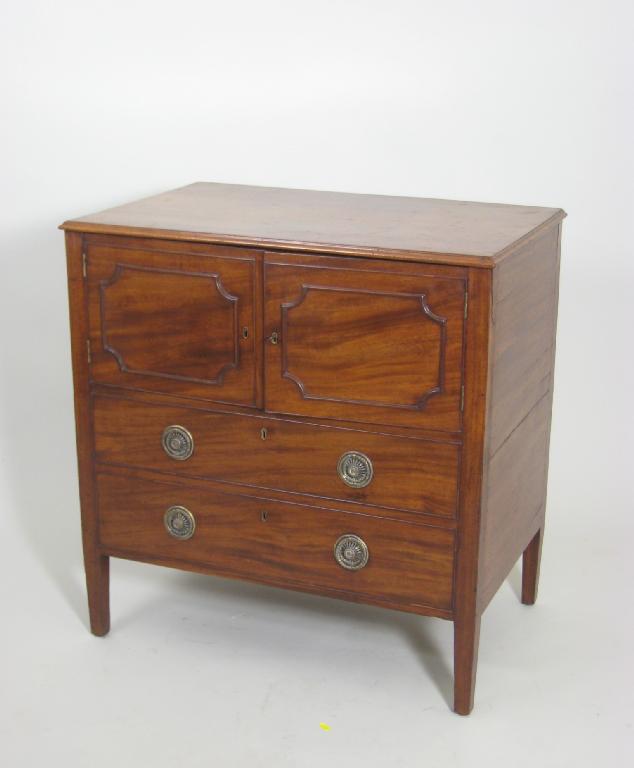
x=341, y=394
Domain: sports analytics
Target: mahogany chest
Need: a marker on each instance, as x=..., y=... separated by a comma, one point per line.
x=335, y=393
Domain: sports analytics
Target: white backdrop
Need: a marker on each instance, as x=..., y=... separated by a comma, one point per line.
x=503, y=101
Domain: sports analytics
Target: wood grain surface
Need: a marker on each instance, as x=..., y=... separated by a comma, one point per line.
x=446, y=231
x=363, y=345
x=525, y=292
x=174, y=322
x=409, y=473
x=467, y=616
x=96, y=565
x=277, y=542
x=523, y=324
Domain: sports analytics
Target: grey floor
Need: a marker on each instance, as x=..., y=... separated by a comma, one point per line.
x=201, y=671
x=204, y=672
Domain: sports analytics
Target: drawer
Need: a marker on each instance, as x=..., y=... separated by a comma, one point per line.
x=404, y=473
x=348, y=340
x=276, y=542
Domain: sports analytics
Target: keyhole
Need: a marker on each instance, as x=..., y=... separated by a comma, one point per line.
x=264, y=433
x=245, y=332
x=264, y=515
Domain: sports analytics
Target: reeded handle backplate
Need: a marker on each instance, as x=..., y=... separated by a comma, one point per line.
x=355, y=469
x=351, y=552
x=177, y=442
x=179, y=522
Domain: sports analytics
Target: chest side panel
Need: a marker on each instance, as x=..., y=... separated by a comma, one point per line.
x=523, y=327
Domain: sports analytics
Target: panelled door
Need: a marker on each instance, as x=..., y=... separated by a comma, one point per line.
x=173, y=321
x=349, y=339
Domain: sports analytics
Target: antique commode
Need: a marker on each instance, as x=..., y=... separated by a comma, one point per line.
x=341, y=394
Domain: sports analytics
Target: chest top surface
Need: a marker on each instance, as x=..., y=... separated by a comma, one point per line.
x=405, y=228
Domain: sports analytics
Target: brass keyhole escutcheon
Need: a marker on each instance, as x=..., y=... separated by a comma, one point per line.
x=264, y=433
x=274, y=337
x=245, y=332
x=264, y=515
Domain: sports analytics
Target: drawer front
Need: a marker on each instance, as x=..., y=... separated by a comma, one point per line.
x=277, y=542
x=401, y=473
x=174, y=322
x=363, y=344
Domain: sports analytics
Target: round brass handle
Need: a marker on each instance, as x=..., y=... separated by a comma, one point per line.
x=177, y=442
x=355, y=469
x=351, y=552
x=179, y=522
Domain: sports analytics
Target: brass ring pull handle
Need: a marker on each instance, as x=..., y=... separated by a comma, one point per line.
x=355, y=469
x=179, y=522
x=177, y=442
x=351, y=552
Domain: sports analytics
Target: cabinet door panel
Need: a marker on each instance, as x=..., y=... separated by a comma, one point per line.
x=178, y=323
x=364, y=345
